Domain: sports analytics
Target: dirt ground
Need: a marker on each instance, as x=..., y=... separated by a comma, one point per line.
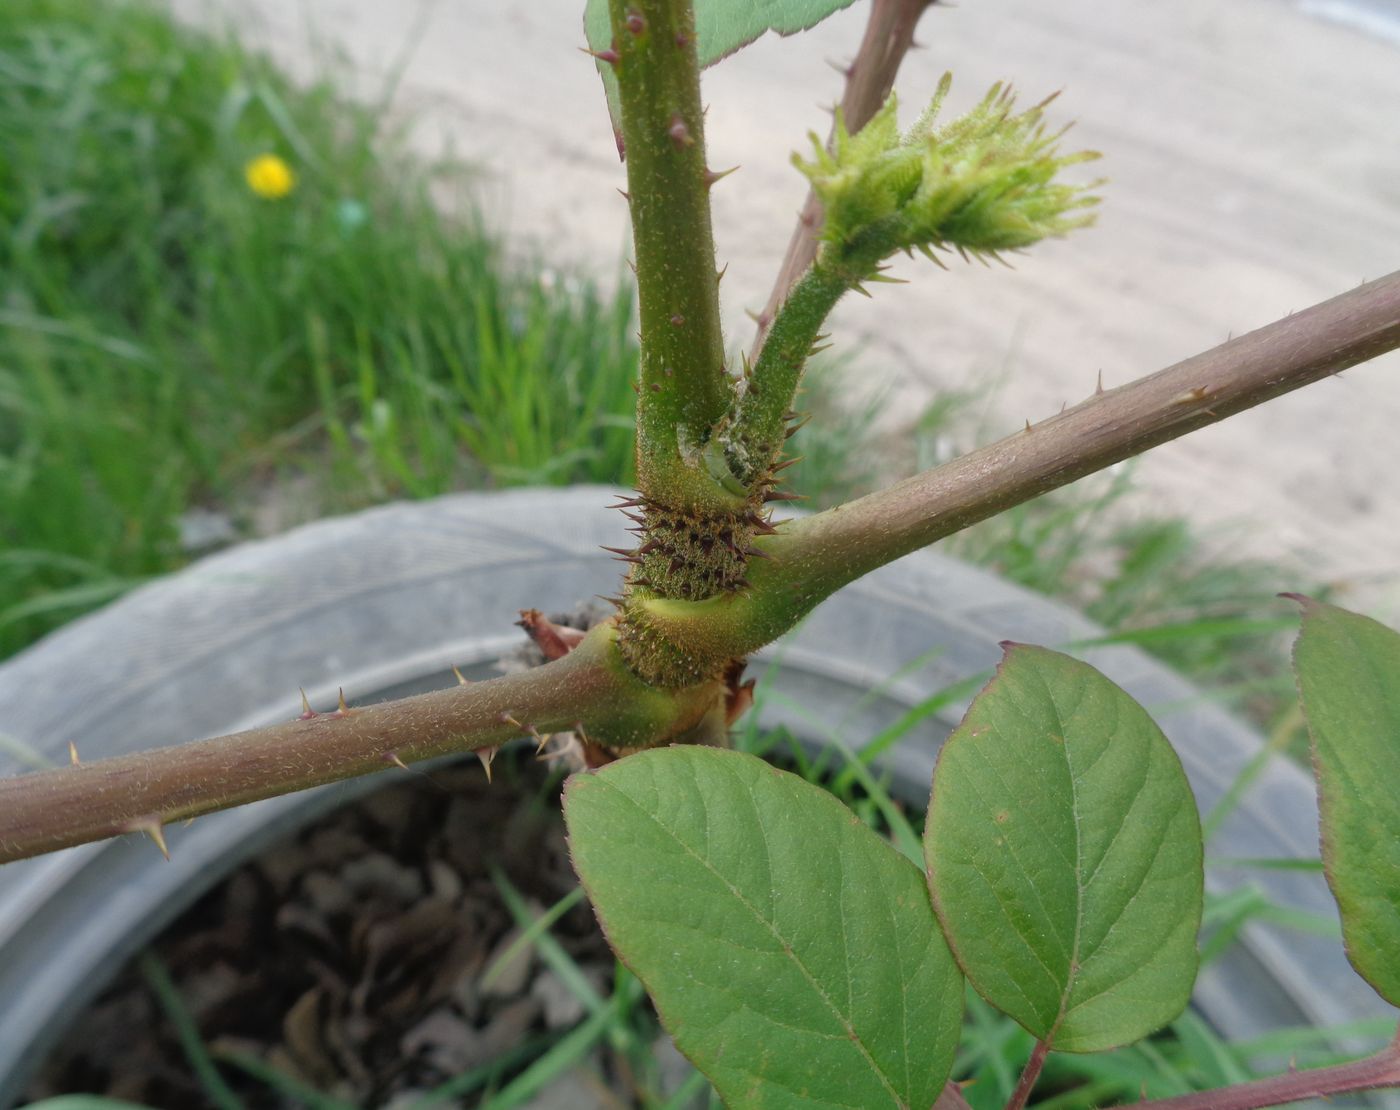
x=1254, y=162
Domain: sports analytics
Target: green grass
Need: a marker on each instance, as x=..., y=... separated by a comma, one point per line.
x=168, y=338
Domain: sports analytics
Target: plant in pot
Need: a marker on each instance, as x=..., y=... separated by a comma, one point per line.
x=795, y=956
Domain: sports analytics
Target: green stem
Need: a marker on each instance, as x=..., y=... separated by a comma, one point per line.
x=759, y=425
x=685, y=391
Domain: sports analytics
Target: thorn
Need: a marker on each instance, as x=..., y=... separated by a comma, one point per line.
x=621, y=146
x=626, y=552
x=797, y=426
x=487, y=755
x=636, y=23
x=73, y=754
x=540, y=741
x=819, y=348
x=1195, y=396
x=637, y=389
x=153, y=827
x=763, y=527
x=808, y=220
x=710, y=176
x=307, y=713
x=609, y=56
x=628, y=502
x=460, y=680
x=743, y=584
x=680, y=133
x=625, y=195
x=719, y=274
x=756, y=553
x=682, y=39
x=1292, y=1065
x=787, y=463
x=762, y=319
x=342, y=710
x=506, y=719
x=844, y=70
x=783, y=495
x=632, y=263
x=1028, y=425
x=677, y=321
x=1098, y=386
x=862, y=290
x=615, y=602
x=655, y=387
x=393, y=757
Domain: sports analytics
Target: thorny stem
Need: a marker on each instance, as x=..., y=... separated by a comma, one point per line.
x=49, y=810
x=759, y=425
x=1029, y=1075
x=684, y=388
x=1380, y=1070
x=810, y=559
x=814, y=557
x=888, y=36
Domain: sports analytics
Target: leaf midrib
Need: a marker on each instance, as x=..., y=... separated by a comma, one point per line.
x=786, y=946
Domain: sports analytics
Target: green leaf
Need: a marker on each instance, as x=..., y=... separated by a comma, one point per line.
x=1064, y=855
x=1348, y=669
x=791, y=952
x=725, y=26
x=721, y=26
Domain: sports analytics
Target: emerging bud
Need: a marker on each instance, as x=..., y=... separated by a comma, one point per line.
x=980, y=184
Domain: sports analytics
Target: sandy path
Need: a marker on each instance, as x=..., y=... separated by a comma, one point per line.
x=1254, y=157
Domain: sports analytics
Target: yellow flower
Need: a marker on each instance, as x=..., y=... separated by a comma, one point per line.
x=270, y=177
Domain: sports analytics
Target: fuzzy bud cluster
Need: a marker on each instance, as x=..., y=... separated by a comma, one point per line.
x=980, y=184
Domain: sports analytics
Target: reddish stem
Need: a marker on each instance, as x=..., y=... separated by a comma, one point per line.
x=1028, y=1076
x=951, y=1098
x=1380, y=1070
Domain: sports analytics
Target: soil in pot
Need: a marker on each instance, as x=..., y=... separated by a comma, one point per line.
x=373, y=957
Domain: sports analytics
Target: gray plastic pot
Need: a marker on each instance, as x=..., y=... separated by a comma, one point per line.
x=385, y=601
